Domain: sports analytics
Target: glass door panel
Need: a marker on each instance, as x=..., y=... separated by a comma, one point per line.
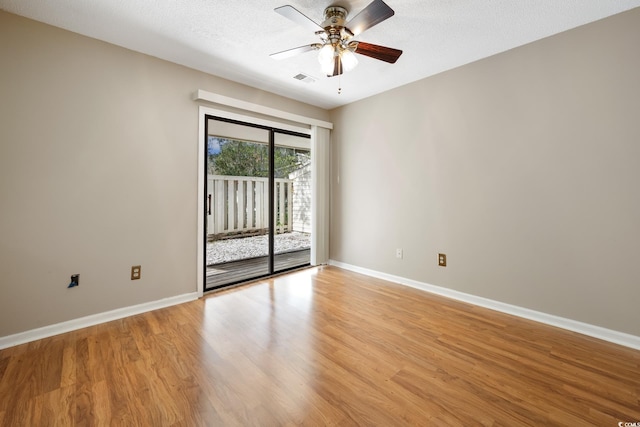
x=292, y=197
x=237, y=203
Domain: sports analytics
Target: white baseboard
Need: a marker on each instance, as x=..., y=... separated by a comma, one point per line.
x=94, y=319
x=616, y=337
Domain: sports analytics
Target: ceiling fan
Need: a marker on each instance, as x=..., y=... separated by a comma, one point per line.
x=337, y=47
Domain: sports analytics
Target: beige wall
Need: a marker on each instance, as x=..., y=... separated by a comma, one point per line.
x=98, y=172
x=523, y=168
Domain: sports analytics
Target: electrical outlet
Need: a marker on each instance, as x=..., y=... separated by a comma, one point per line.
x=136, y=272
x=442, y=260
x=399, y=253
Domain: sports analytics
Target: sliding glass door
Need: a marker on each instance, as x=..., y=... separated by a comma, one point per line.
x=292, y=197
x=257, y=201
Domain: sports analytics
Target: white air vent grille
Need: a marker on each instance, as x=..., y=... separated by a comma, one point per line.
x=304, y=78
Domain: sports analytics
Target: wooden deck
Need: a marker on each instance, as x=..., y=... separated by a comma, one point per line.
x=240, y=271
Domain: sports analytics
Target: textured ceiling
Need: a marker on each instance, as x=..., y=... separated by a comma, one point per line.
x=233, y=38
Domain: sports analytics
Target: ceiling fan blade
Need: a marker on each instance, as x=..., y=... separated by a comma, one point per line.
x=376, y=12
x=293, y=52
x=386, y=54
x=298, y=17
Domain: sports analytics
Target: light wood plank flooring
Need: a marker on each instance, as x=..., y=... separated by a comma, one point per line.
x=322, y=346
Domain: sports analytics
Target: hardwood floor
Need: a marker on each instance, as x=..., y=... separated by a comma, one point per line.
x=322, y=346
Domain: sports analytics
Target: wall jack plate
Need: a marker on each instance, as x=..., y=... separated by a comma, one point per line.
x=75, y=281
x=136, y=272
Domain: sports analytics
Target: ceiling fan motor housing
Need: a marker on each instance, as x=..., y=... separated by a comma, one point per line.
x=334, y=23
x=334, y=16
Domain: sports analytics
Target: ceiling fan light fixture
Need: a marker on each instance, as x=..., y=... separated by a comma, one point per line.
x=327, y=55
x=349, y=60
x=325, y=58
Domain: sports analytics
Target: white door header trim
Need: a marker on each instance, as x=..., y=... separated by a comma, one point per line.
x=203, y=95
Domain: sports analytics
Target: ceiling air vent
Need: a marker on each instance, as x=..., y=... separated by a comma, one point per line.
x=304, y=78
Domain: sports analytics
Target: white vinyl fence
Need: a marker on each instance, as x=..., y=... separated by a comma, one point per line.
x=237, y=204
x=302, y=199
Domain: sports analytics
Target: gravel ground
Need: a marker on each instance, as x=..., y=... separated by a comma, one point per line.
x=250, y=247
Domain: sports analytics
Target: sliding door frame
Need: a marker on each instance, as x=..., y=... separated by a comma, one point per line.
x=271, y=186
x=247, y=111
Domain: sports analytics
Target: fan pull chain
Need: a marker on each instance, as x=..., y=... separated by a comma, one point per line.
x=339, y=76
